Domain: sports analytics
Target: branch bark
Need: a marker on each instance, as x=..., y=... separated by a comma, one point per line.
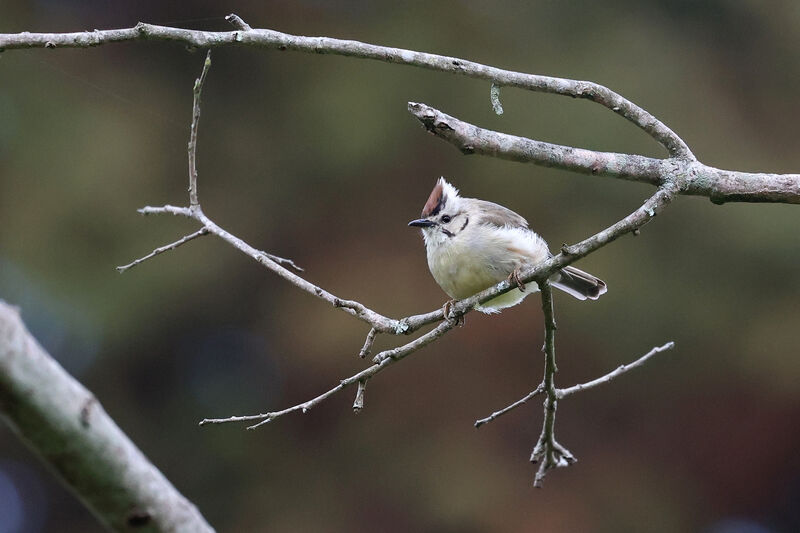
x=67, y=427
x=694, y=177
x=246, y=36
x=548, y=452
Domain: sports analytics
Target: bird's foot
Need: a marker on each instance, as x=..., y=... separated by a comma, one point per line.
x=446, y=308
x=514, y=278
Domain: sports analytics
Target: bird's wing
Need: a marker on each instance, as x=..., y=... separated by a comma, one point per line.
x=493, y=214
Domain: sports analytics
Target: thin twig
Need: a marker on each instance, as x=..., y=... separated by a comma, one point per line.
x=535, y=392
x=192, y=147
x=562, y=393
x=165, y=209
x=388, y=358
x=283, y=261
x=358, y=403
x=237, y=22
x=198, y=233
x=548, y=452
x=368, y=342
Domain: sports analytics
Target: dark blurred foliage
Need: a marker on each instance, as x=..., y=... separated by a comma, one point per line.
x=315, y=158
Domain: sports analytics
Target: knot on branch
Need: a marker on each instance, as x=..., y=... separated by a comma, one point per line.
x=401, y=327
x=427, y=116
x=568, y=249
x=586, y=90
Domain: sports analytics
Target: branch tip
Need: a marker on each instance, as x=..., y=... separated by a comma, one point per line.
x=358, y=403
x=237, y=22
x=183, y=240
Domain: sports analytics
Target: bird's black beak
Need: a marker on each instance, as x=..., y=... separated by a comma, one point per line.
x=422, y=223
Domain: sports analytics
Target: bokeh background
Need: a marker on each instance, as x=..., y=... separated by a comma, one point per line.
x=315, y=158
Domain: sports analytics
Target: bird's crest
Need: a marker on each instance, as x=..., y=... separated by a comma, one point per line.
x=440, y=194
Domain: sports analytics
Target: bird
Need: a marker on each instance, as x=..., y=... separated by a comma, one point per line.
x=473, y=244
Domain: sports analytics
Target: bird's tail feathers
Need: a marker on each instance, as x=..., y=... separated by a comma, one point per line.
x=579, y=284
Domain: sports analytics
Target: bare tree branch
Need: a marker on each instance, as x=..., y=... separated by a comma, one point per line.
x=548, y=452
x=67, y=427
x=385, y=358
x=694, y=177
x=563, y=393
x=535, y=392
x=172, y=246
x=192, y=148
x=358, y=403
x=368, y=342
x=237, y=22
x=326, y=45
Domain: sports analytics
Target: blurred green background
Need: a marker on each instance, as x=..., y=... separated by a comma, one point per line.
x=316, y=158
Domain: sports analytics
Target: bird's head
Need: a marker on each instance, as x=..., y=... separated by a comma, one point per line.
x=444, y=215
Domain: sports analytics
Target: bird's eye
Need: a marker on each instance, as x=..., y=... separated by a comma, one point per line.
x=446, y=219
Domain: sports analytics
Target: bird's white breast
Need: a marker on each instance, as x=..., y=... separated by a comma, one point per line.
x=480, y=257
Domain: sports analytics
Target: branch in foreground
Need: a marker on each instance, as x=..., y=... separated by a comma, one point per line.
x=67, y=427
x=245, y=36
x=694, y=177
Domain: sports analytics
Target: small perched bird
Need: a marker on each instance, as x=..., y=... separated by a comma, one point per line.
x=473, y=244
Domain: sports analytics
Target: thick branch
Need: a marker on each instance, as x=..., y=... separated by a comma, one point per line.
x=65, y=424
x=326, y=45
x=471, y=139
x=695, y=178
